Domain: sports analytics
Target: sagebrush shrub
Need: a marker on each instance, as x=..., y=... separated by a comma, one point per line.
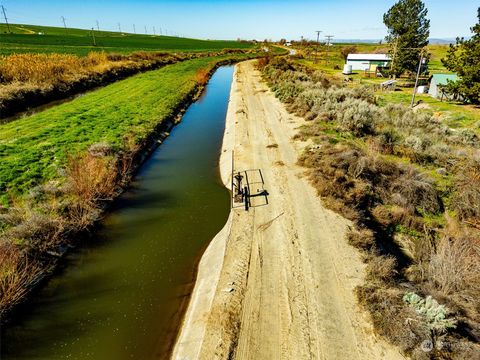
x=358, y=116
x=435, y=315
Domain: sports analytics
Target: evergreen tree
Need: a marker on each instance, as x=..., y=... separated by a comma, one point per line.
x=408, y=32
x=463, y=58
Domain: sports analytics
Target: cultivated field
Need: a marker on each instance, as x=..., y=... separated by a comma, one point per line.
x=34, y=148
x=42, y=39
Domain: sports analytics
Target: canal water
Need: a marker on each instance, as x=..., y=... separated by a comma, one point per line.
x=121, y=295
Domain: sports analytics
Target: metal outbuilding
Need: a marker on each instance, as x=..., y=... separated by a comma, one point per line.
x=363, y=62
x=437, y=82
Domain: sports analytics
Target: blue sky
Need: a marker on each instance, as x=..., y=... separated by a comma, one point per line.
x=247, y=19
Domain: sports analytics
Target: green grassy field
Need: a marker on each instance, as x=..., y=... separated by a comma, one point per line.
x=42, y=39
x=453, y=114
x=329, y=58
x=34, y=148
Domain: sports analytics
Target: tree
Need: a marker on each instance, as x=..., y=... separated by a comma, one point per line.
x=344, y=51
x=463, y=58
x=408, y=32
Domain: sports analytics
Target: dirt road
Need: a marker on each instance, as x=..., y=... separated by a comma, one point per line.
x=278, y=281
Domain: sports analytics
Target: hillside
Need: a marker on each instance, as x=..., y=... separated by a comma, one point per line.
x=43, y=39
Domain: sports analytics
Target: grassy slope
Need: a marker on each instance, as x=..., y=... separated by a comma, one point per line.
x=33, y=148
x=25, y=38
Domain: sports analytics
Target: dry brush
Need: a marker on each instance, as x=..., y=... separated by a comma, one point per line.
x=411, y=186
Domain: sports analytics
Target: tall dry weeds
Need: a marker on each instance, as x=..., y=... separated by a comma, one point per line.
x=467, y=197
x=18, y=273
x=454, y=265
x=92, y=178
x=201, y=77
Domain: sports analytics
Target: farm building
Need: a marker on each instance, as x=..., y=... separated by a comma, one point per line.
x=439, y=80
x=364, y=62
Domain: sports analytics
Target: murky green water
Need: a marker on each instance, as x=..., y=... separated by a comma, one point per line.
x=119, y=296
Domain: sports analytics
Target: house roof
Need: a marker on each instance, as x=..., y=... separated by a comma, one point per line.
x=373, y=57
x=442, y=79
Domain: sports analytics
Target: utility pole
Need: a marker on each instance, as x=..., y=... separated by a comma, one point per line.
x=119, y=27
x=316, y=47
x=160, y=31
x=93, y=37
x=98, y=25
x=394, y=57
x=6, y=19
x=146, y=32
x=416, y=79
x=154, y=31
x=134, y=30
x=329, y=39
x=64, y=25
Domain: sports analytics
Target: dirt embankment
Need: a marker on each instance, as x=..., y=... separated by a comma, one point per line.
x=277, y=282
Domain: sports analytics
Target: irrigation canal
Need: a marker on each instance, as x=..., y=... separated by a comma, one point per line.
x=122, y=294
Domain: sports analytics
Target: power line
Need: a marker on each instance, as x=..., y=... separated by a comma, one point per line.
x=154, y=31
x=6, y=19
x=98, y=25
x=146, y=32
x=134, y=30
x=119, y=27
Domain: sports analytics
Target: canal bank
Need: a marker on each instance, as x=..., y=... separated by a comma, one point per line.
x=120, y=298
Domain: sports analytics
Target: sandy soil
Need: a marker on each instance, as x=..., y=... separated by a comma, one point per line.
x=277, y=282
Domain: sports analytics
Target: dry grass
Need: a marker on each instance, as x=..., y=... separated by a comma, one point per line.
x=201, y=77
x=49, y=69
x=467, y=197
x=381, y=269
x=454, y=264
x=92, y=178
x=361, y=238
x=17, y=274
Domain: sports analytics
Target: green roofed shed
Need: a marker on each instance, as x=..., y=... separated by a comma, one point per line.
x=439, y=80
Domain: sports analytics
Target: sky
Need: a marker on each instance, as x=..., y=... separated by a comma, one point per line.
x=245, y=19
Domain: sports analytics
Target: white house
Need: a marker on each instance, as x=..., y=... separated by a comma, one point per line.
x=364, y=61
